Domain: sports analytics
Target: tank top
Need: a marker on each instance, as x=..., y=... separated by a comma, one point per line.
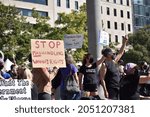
x=112, y=77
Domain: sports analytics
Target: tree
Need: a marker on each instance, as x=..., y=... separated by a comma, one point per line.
x=73, y=23
x=13, y=32
x=140, y=41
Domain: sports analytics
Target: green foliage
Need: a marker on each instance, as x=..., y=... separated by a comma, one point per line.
x=73, y=23
x=140, y=41
x=13, y=31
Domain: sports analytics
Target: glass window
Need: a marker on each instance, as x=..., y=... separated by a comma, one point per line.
x=116, y=38
x=107, y=0
x=76, y=5
x=110, y=38
x=101, y=10
x=128, y=14
x=115, y=12
x=67, y=3
x=129, y=27
x=121, y=1
x=121, y=13
x=58, y=3
x=128, y=3
x=122, y=26
x=108, y=24
x=44, y=2
x=28, y=12
x=115, y=25
x=114, y=1
x=108, y=11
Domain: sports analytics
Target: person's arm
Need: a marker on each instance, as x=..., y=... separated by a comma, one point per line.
x=76, y=77
x=144, y=79
x=121, y=51
x=80, y=81
x=103, y=71
x=100, y=61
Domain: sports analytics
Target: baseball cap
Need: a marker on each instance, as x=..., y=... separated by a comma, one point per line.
x=129, y=66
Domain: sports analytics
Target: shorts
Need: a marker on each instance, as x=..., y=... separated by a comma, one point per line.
x=90, y=87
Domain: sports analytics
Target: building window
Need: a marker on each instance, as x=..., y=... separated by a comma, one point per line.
x=116, y=38
x=114, y=1
x=76, y=5
x=44, y=2
x=128, y=14
x=107, y=0
x=122, y=26
x=115, y=12
x=129, y=27
x=109, y=38
x=101, y=10
x=121, y=13
x=58, y=3
x=108, y=24
x=115, y=25
x=67, y=3
x=128, y=3
x=121, y=1
x=28, y=12
x=108, y=11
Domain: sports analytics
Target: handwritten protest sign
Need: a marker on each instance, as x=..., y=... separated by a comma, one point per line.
x=47, y=53
x=15, y=89
x=104, y=38
x=73, y=41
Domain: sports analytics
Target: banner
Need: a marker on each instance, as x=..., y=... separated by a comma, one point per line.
x=47, y=53
x=73, y=41
x=15, y=89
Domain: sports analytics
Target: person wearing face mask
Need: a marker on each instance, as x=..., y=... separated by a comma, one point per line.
x=129, y=83
x=109, y=72
x=88, y=76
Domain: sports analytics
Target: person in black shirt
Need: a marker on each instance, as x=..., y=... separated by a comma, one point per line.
x=109, y=72
x=129, y=83
x=87, y=74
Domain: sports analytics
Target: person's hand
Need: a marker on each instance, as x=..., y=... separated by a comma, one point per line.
x=125, y=39
x=106, y=94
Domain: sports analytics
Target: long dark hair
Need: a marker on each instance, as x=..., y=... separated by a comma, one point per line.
x=88, y=56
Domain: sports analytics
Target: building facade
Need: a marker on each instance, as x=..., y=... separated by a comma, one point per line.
x=49, y=8
x=141, y=11
x=116, y=16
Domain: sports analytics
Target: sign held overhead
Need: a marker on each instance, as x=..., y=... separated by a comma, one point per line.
x=73, y=41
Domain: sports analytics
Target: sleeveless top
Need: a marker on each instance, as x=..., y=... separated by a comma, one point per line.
x=112, y=77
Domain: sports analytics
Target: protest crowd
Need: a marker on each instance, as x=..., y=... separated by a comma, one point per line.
x=114, y=80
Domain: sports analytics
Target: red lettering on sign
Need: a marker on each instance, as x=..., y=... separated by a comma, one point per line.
x=37, y=44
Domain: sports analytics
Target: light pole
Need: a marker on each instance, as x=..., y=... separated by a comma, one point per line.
x=94, y=27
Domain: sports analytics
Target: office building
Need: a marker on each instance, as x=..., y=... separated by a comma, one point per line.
x=141, y=13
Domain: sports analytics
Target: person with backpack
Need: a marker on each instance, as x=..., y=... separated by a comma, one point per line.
x=109, y=72
x=64, y=74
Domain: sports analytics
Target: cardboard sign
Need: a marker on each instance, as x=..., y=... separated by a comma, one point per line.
x=73, y=41
x=47, y=53
x=15, y=89
x=104, y=38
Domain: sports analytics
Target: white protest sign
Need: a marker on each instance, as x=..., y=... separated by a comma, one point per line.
x=15, y=89
x=73, y=41
x=47, y=53
x=104, y=38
